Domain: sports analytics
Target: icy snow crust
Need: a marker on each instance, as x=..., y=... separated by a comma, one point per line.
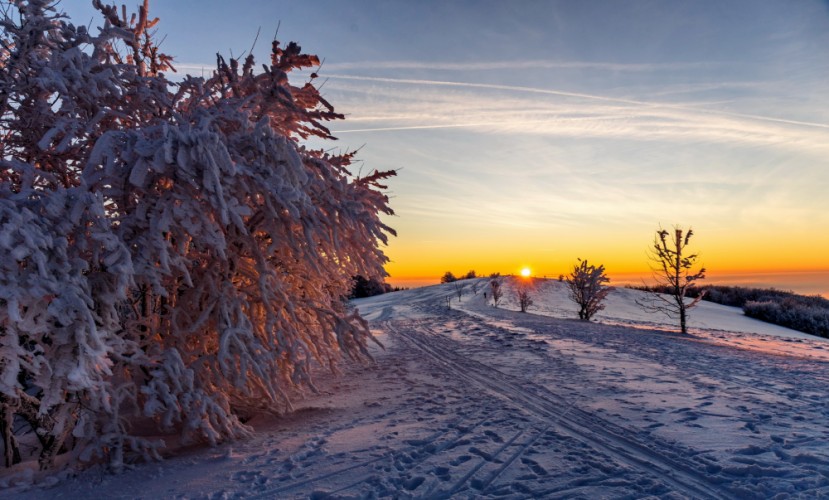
x=483, y=402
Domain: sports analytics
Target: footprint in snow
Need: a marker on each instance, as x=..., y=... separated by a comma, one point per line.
x=442, y=473
x=493, y=436
x=413, y=483
x=253, y=476
x=534, y=466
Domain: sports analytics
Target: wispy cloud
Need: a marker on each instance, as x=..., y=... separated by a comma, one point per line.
x=595, y=97
x=388, y=105
x=516, y=65
x=487, y=86
x=204, y=69
x=416, y=127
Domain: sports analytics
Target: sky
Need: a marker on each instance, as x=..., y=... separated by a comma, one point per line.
x=533, y=133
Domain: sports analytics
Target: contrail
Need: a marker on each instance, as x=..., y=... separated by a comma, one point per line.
x=578, y=95
x=514, y=65
x=487, y=86
x=413, y=127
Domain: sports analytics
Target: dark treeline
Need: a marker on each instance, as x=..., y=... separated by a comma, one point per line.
x=368, y=288
x=449, y=277
x=808, y=314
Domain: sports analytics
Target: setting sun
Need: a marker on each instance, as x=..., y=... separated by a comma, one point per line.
x=525, y=272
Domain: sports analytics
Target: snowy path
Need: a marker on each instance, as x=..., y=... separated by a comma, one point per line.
x=561, y=418
x=491, y=403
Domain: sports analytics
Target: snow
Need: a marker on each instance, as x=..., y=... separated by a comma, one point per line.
x=476, y=401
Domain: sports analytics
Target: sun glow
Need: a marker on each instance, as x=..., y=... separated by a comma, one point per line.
x=526, y=272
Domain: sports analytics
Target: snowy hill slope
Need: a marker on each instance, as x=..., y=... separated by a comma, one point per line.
x=551, y=299
x=714, y=322
x=483, y=402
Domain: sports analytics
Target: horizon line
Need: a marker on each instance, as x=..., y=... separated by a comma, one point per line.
x=639, y=273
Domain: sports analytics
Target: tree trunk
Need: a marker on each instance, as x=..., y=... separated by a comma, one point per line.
x=677, y=288
x=10, y=449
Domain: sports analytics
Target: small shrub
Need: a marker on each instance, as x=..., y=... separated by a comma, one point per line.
x=448, y=277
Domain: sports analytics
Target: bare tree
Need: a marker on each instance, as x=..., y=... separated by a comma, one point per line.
x=524, y=298
x=587, y=288
x=672, y=272
x=497, y=292
x=458, y=287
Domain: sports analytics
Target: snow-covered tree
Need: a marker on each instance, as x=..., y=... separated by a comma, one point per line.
x=587, y=287
x=496, y=290
x=672, y=272
x=172, y=252
x=524, y=298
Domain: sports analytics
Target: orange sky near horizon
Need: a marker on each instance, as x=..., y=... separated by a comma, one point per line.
x=719, y=252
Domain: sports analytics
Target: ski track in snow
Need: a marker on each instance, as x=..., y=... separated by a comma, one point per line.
x=483, y=402
x=579, y=424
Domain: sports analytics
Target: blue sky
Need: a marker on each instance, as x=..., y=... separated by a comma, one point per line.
x=533, y=133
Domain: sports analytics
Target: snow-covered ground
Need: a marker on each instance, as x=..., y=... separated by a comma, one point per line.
x=476, y=401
